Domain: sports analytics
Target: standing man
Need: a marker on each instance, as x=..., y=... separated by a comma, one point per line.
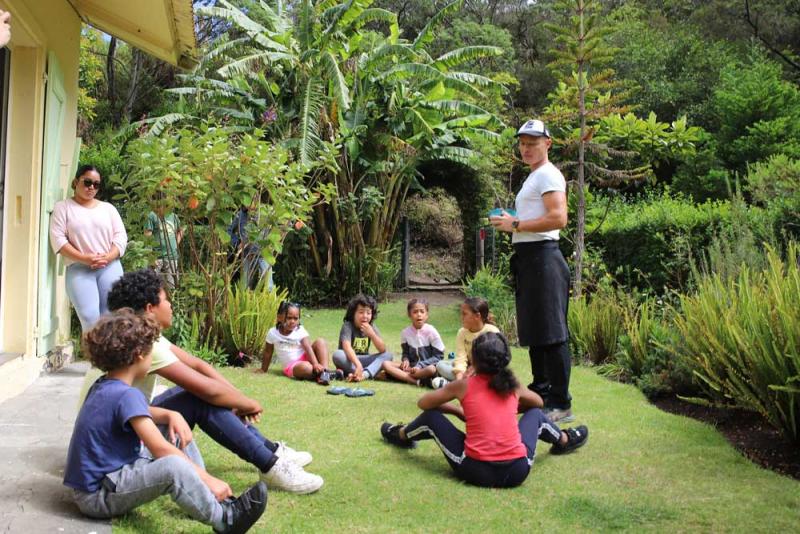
x=540, y=272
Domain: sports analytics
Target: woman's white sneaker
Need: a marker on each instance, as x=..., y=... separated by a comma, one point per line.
x=288, y=476
x=301, y=458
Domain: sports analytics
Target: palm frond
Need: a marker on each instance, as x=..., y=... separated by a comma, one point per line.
x=335, y=77
x=305, y=25
x=456, y=107
x=425, y=36
x=406, y=70
x=473, y=79
x=452, y=153
x=245, y=66
x=221, y=47
x=376, y=14
x=232, y=14
x=309, y=121
x=456, y=85
x=467, y=121
x=277, y=18
x=419, y=122
x=464, y=54
x=488, y=135
x=401, y=50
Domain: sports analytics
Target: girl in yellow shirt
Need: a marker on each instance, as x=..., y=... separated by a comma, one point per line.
x=475, y=320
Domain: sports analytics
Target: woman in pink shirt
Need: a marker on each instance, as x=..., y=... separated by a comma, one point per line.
x=89, y=234
x=496, y=451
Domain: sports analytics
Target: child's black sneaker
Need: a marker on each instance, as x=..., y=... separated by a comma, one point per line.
x=324, y=378
x=240, y=514
x=337, y=374
x=576, y=437
x=391, y=433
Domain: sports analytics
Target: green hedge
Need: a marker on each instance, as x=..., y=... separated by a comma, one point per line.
x=650, y=244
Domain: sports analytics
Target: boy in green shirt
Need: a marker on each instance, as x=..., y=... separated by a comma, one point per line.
x=166, y=228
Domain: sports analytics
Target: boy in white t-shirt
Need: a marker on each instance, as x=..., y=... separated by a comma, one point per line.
x=290, y=342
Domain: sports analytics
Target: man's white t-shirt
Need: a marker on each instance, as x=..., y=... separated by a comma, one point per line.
x=287, y=347
x=529, y=203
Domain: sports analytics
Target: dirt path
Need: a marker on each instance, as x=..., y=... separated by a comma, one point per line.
x=434, y=297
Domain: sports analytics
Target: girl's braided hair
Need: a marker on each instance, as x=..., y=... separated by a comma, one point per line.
x=491, y=356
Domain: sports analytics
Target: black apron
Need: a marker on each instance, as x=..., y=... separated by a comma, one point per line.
x=541, y=286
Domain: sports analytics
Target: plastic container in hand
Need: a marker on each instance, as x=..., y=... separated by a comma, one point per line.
x=497, y=212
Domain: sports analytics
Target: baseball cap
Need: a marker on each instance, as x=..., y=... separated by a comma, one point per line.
x=535, y=128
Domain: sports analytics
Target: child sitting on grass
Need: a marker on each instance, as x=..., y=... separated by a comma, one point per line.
x=422, y=348
x=291, y=343
x=357, y=332
x=107, y=467
x=496, y=451
x=475, y=320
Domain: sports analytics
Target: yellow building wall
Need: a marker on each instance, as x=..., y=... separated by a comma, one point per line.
x=36, y=28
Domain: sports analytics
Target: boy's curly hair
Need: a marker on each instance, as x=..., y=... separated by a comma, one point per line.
x=361, y=300
x=136, y=290
x=491, y=356
x=116, y=340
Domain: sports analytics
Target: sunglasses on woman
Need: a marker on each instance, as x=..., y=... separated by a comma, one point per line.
x=88, y=184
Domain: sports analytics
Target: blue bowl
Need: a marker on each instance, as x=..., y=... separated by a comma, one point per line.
x=497, y=212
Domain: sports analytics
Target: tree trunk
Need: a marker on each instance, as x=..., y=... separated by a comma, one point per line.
x=581, y=223
x=133, y=86
x=111, y=79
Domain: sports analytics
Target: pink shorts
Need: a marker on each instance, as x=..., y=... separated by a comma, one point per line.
x=289, y=369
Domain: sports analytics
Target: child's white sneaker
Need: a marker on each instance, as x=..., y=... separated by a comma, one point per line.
x=438, y=382
x=301, y=458
x=288, y=476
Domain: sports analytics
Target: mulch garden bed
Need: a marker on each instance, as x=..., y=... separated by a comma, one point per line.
x=748, y=432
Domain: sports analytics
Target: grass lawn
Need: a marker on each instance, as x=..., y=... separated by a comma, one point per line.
x=641, y=469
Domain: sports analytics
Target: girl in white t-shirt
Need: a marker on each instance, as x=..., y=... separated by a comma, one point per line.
x=290, y=342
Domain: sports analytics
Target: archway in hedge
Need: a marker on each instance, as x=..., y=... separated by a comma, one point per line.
x=472, y=193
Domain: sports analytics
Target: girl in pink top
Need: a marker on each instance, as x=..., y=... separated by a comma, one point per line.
x=89, y=234
x=496, y=451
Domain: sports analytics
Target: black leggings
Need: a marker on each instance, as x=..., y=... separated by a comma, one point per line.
x=432, y=424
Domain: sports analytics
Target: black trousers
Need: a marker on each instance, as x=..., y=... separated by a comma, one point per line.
x=534, y=424
x=551, y=368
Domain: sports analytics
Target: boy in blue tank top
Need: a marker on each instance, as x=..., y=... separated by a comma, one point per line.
x=118, y=458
